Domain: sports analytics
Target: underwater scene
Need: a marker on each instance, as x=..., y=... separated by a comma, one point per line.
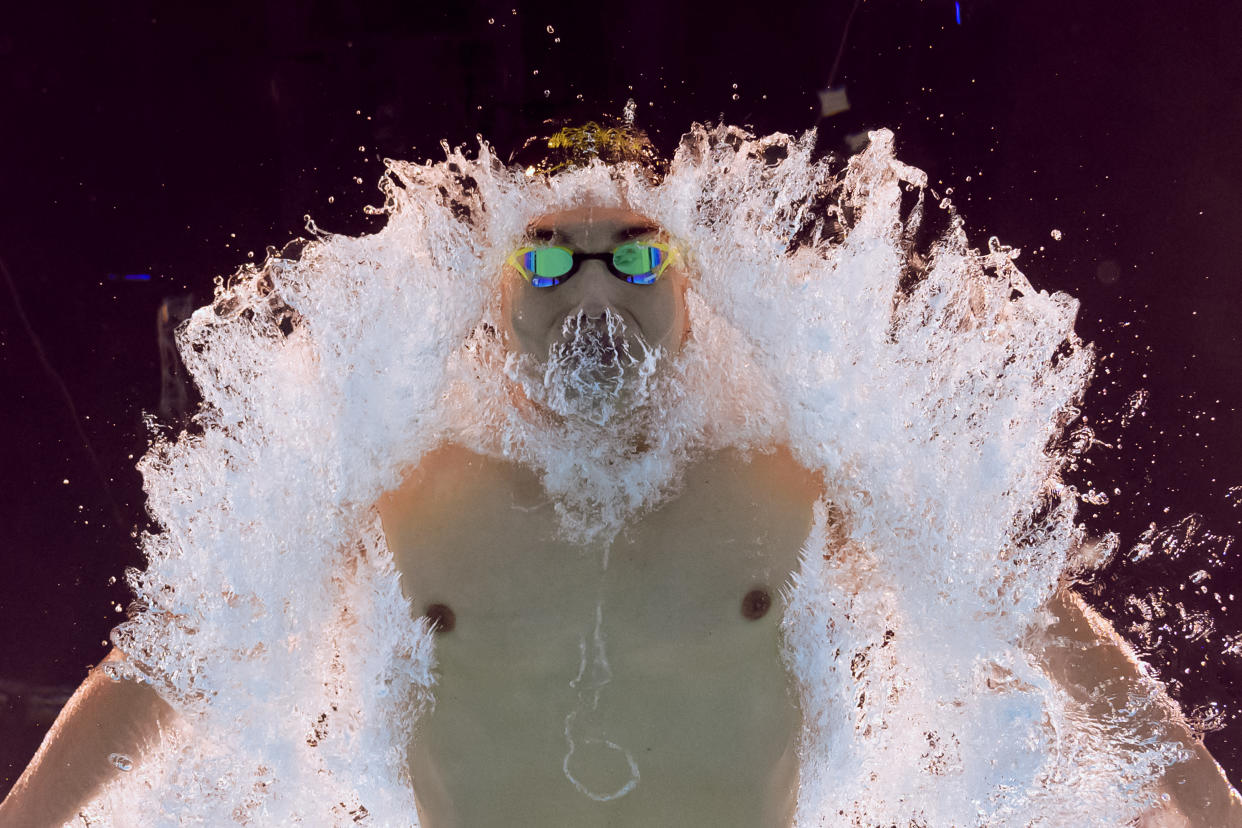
x=711, y=415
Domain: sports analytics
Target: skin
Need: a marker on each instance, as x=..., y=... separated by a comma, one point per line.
x=687, y=610
x=103, y=717
x=1099, y=671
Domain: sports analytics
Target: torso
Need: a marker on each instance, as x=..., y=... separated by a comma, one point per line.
x=634, y=685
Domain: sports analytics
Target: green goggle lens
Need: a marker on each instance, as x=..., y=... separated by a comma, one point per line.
x=549, y=262
x=635, y=259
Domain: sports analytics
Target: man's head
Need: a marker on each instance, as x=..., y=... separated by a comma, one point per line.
x=595, y=338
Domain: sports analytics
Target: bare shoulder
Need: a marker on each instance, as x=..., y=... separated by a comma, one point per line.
x=1087, y=658
x=773, y=470
x=448, y=462
x=449, y=472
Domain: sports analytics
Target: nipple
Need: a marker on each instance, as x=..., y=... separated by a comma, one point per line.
x=442, y=618
x=755, y=605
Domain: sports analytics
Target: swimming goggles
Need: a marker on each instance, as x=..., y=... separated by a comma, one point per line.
x=639, y=263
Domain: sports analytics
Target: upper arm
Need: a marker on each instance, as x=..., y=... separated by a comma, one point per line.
x=1084, y=655
x=102, y=718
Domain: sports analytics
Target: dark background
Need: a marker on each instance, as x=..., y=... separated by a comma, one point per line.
x=158, y=140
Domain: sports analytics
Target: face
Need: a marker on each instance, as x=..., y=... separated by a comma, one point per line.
x=536, y=317
x=589, y=346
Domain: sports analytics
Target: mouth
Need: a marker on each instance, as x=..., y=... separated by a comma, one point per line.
x=607, y=354
x=600, y=341
x=592, y=372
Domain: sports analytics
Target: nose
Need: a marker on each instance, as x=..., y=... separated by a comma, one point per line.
x=594, y=289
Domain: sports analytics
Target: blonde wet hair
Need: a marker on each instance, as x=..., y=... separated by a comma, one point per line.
x=573, y=146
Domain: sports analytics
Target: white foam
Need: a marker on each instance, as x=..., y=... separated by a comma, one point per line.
x=928, y=395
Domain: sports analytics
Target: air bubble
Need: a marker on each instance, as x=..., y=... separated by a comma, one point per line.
x=1095, y=498
x=121, y=762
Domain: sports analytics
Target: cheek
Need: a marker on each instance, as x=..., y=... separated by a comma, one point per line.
x=528, y=320
x=664, y=319
x=678, y=321
x=512, y=316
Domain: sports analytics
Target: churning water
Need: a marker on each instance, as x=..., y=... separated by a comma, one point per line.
x=836, y=307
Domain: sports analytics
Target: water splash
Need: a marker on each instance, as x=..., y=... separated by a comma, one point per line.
x=831, y=309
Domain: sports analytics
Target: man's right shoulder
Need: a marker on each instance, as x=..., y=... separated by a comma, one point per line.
x=451, y=471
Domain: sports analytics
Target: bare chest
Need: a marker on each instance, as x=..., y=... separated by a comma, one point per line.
x=619, y=683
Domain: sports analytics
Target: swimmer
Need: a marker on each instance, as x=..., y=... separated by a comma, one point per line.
x=674, y=706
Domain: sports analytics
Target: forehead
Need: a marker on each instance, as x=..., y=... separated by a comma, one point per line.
x=591, y=226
